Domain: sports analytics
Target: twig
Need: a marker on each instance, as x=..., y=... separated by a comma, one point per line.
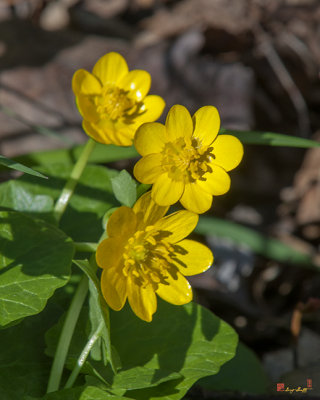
x=267, y=49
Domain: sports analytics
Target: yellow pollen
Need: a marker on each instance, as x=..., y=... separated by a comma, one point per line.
x=149, y=258
x=115, y=103
x=186, y=159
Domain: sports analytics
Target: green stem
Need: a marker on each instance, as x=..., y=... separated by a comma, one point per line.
x=84, y=355
x=71, y=183
x=66, y=335
x=83, y=247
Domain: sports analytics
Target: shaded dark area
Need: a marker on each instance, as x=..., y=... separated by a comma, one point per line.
x=258, y=62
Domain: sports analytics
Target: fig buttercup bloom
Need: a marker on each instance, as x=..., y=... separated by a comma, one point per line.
x=186, y=159
x=146, y=254
x=113, y=101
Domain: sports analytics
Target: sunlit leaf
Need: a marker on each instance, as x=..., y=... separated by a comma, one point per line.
x=188, y=340
x=124, y=188
x=99, y=312
x=35, y=260
x=19, y=167
x=92, y=198
x=79, y=393
x=161, y=359
x=101, y=154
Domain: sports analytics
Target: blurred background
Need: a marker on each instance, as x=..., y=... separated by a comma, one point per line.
x=258, y=62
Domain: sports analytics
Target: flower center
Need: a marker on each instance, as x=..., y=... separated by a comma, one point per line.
x=149, y=258
x=186, y=159
x=115, y=103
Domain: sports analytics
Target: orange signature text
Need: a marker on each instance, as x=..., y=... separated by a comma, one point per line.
x=281, y=387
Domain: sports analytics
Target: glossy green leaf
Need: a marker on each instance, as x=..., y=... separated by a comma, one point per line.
x=188, y=340
x=124, y=188
x=35, y=261
x=136, y=378
x=142, y=377
x=24, y=368
x=101, y=154
x=99, y=312
x=270, y=139
x=161, y=359
x=257, y=242
x=92, y=198
x=79, y=393
x=244, y=373
x=14, y=195
x=19, y=167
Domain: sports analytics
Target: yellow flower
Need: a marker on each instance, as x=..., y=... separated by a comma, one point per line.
x=186, y=159
x=113, y=101
x=146, y=254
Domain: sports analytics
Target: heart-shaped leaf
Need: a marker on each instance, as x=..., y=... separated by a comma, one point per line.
x=35, y=261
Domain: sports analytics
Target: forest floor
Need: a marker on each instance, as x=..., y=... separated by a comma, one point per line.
x=258, y=62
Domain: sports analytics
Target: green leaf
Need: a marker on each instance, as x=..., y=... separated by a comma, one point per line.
x=244, y=373
x=15, y=196
x=188, y=340
x=124, y=188
x=101, y=154
x=19, y=167
x=161, y=359
x=79, y=393
x=92, y=198
x=270, y=139
x=142, y=377
x=24, y=369
x=97, y=315
x=258, y=243
x=99, y=312
x=35, y=261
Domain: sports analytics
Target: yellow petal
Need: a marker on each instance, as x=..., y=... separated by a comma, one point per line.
x=195, y=199
x=110, y=68
x=122, y=223
x=206, y=124
x=137, y=83
x=148, y=211
x=122, y=132
x=150, y=138
x=101, y=136
x=85, y=83
x=87, y=109
x=178, y=291
x=114, y=287
x=180, y=224
x=143, y=301
x=178, y=123
x=148, y=169
x=107, y=131
x=197, y=259
x=216, y=182
x=109, y=252
x=166, y=191
x=228, y=151
x=151, y=109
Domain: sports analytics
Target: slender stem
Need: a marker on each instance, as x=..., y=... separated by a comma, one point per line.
x=84, y=355
x=66, y=335
x=85, y=247
x=71, y=183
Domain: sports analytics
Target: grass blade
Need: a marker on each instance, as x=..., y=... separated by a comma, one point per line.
x=270, y=139
x=260, y=244
x=19, y=167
